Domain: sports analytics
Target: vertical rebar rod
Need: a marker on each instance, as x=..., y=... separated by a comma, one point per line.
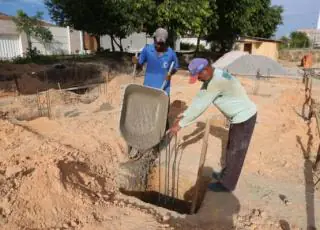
x=175, y=152
x=165, y=172
x=38, y=103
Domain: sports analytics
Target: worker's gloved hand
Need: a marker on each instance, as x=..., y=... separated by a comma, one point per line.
x=134, y=60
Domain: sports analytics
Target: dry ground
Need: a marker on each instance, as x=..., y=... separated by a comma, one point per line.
x=61, y=173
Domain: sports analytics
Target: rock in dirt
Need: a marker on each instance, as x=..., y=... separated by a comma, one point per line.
x=284, y=199
x=284, y=225
x=165, y=218
x=106, y=197
x=10, y=171
x=73, y=224
x=5, y=208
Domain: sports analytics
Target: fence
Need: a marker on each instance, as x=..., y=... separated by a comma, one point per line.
x=311, y=107
x=14, y=44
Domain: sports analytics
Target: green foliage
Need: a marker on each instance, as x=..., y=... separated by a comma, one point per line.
x=285, y=42
x=295, y=40
x=299, y=40
x=100, y=17
x=33, y=27
x=243, y=17
x=220, y=21
x=193, y=17
x=120, y=18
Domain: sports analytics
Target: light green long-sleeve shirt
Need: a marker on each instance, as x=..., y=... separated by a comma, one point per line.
x=227, y=94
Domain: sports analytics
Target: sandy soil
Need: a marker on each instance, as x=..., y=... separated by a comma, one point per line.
x=61, y=173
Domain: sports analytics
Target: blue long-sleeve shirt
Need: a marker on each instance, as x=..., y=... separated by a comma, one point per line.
x=227, y=94
x=157, y=66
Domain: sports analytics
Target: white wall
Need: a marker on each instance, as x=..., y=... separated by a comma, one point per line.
x=193, y=41
x=65, y=40
x=10, y=46
x=134, y=42
x=59, y=44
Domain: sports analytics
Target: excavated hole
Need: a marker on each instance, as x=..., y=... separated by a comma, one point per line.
x=160, y=200
x=134, y=178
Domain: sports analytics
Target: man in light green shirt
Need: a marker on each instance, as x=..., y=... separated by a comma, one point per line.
x=227, y=94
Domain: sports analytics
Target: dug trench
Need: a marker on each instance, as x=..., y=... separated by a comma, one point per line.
x=26, y=95
x=58, y=76
x=156, y=178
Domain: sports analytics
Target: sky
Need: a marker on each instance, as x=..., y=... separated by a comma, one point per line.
x=298, y=14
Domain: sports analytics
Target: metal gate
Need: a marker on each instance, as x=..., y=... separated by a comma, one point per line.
x=10, y=46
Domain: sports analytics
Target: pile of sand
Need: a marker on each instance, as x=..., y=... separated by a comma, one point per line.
x=50, y=185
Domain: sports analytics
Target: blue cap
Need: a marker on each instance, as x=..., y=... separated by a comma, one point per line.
x=196, y=66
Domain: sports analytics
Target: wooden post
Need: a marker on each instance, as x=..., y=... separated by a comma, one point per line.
x=317, y=163
x=134, y=68
x=17, y=84
x=201, y=164
x=39, y=104
x=59, y=87
x=48, y=104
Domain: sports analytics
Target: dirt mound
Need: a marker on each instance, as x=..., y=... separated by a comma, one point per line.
x=8, y=69
x=45, y=184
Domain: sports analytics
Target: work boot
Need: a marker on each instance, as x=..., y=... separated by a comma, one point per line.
x=218, y=187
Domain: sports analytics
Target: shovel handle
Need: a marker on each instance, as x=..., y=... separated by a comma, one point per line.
x=135, y=67
x=170, y=70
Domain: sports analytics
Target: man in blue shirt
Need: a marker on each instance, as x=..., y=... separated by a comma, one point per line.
x=158, y=57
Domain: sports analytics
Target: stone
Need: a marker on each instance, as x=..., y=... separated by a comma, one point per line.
x=99, y=195
x=165, y=218
x=73, y=224
x=65, y=226
x=11, y=171
x=106, y=197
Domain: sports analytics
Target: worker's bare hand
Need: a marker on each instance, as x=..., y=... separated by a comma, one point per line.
x=174, y=129
x=134, y=60
x=168, y=78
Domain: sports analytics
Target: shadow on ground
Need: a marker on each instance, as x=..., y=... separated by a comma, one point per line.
x=309, y=183
x=216, y=131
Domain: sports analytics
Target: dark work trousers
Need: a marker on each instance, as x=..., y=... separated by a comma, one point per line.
x=237, y=147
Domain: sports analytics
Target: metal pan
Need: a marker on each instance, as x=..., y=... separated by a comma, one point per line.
x=143, y=116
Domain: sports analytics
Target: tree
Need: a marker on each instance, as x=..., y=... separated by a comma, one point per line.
x=299, y=40
x=32, y=27
x=243, y=17
x=119, y=18
x=180, y=18
x=285, y=42
x=98, y=18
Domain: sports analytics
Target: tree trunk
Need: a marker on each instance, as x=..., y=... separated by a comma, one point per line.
x=29, y=42
x=198, y=44
x=171, y=37
x=121, y=47
x=112, y=43
x=98, y=42
x=118, y=44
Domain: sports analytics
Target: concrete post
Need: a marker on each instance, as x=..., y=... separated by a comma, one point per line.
x=81, y=41
x=69, y=40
